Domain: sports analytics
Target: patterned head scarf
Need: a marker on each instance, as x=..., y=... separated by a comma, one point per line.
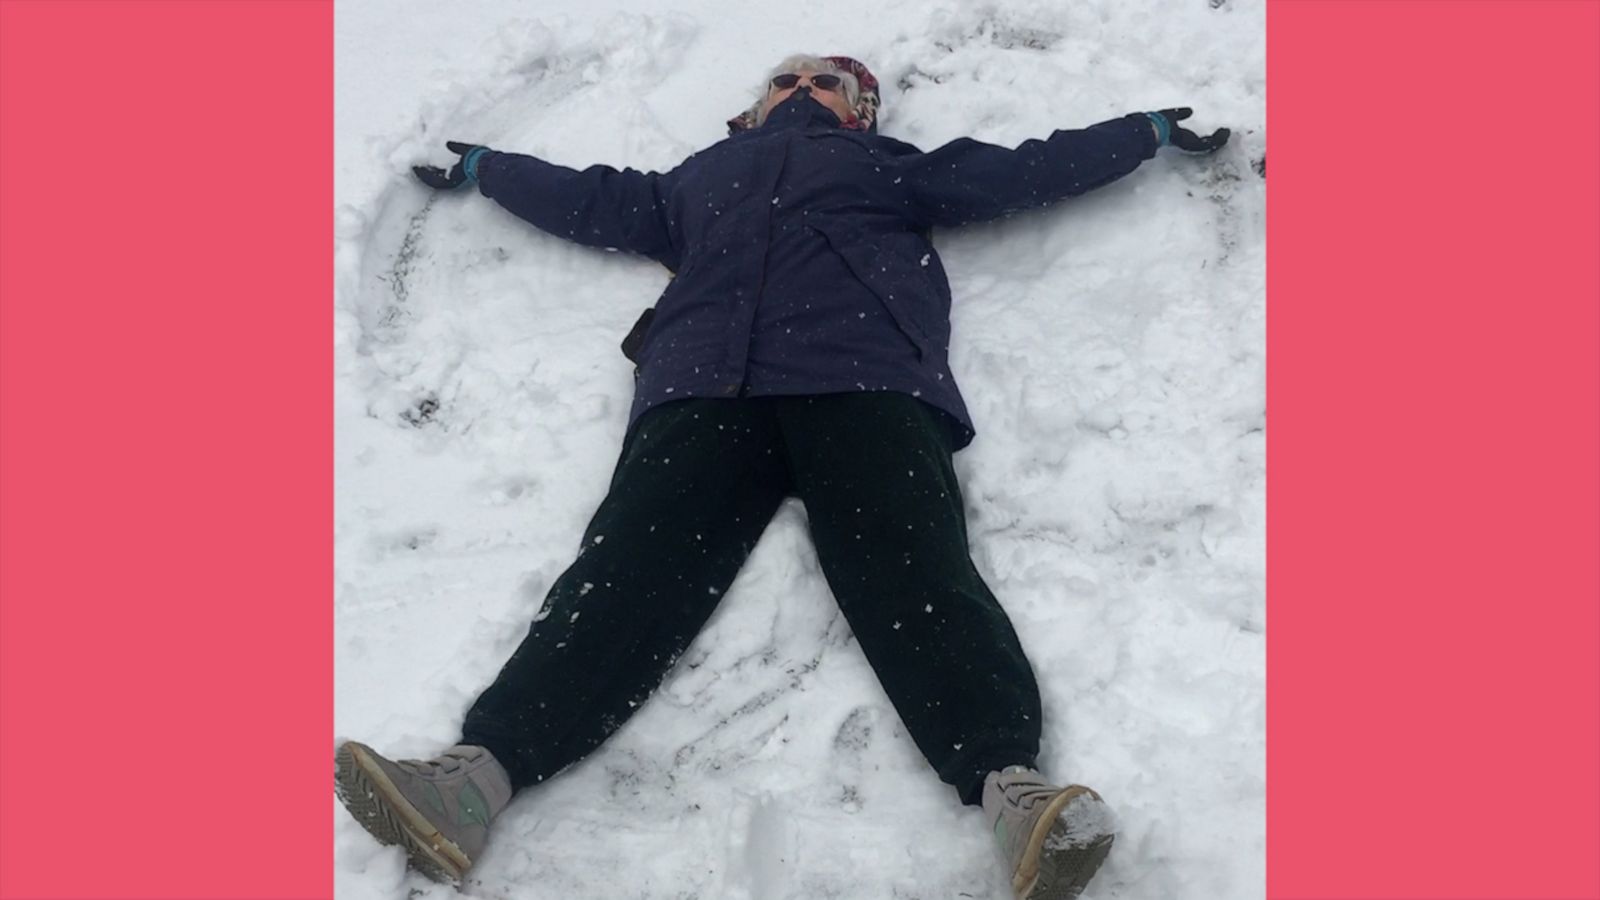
x=866, y=111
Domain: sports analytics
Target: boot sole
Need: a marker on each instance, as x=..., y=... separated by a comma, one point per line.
x=1060, y=874
x=387, y=815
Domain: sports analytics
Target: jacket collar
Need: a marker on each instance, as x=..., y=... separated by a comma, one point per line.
x=801, y=110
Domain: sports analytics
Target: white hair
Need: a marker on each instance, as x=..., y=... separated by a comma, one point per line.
x=804, y=63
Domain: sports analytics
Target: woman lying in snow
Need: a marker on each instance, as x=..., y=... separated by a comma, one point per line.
x=800, y=349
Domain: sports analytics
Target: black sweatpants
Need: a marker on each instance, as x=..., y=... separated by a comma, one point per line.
x=696, y=484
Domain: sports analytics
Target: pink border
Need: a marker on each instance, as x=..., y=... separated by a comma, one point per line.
x=165, y=449
x=1434, y=463
x=165, y=435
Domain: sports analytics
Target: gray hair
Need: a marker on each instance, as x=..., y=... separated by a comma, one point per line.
x=803, y=63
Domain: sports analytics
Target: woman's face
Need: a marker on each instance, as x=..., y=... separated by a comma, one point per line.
x=832, y=99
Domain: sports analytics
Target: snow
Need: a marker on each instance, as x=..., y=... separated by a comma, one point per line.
x=1083, y=820
x=1111, y=350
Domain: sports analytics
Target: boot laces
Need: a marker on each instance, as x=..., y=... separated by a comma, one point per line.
x=1024, y=796
x=447, y=763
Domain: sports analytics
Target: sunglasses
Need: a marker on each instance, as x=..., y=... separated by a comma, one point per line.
x=822, y=82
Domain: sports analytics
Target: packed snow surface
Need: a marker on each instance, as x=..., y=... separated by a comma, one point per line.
x=1110, y=348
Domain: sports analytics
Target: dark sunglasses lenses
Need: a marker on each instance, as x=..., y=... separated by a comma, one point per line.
x=823, y=82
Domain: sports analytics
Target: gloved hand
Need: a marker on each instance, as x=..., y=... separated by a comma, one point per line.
x=1166, y=122
x=465, y=169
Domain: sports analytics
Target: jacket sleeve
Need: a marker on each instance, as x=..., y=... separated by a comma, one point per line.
x=599, y=206
x=970, y=181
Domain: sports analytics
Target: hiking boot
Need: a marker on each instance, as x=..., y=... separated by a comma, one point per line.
x=439, y=809
x=1052, y=838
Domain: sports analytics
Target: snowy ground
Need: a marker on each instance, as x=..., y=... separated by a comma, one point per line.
x=1111, y=349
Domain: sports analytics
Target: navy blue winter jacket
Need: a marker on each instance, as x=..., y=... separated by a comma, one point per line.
x=801, y=249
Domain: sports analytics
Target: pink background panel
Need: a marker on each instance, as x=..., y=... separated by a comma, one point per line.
x=1433, y=468
x=166, y=214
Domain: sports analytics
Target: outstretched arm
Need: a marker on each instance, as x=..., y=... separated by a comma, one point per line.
x=599, y=206
x=970, y=181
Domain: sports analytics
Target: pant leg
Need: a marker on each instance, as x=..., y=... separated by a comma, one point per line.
x=696, y=484
x=876, y=476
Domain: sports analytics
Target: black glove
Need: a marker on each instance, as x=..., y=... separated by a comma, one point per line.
x=1184, y=139
x=465, y=169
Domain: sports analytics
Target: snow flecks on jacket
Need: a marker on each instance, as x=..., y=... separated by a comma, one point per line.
x=802, y=250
